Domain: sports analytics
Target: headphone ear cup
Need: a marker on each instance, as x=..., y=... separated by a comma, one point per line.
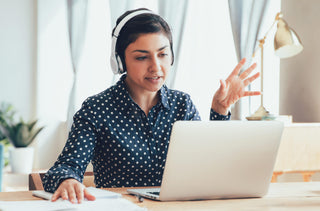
x=113, y=59
x=114, y=64
x=120, y=65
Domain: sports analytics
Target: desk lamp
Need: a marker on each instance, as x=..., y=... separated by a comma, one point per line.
x=286, y=44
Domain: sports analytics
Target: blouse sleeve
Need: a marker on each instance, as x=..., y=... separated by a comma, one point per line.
x=77, y=152
x=216, y=116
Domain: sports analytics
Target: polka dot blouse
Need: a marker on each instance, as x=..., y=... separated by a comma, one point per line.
x=126, y=147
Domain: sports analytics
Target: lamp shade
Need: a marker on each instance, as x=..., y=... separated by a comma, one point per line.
x=286, y=41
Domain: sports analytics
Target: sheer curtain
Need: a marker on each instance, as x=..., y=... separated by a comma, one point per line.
x=54, y=80
x=246, y=20
x=117, y=8
x=77, y=18
x=94, y=73
x=174, y=12
x=207, y=52
x=55, y=73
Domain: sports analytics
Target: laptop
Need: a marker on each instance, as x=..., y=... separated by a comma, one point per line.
x=218, y=160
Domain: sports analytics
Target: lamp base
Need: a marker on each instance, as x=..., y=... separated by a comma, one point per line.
x=261, y=114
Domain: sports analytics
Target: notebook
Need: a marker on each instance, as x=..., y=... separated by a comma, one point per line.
x=218, y=160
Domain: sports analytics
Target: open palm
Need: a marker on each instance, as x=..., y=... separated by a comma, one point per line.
x=233, y=88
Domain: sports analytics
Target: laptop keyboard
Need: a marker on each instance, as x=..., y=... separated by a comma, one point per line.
x=155, y=193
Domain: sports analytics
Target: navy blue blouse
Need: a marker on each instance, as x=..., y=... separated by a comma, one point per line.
x=126, y=147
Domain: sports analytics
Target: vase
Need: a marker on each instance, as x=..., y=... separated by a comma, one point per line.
x=21, y=159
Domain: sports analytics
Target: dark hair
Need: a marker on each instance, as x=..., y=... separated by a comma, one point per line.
x=141, y=24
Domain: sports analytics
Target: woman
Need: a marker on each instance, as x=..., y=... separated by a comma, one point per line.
x=125, y=130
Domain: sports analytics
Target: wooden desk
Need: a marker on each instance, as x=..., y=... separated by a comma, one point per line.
x=281, y=196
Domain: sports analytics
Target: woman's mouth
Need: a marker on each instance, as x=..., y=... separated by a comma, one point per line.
x=153, y=78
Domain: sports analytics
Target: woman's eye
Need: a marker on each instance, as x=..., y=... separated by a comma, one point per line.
x=163, y=54
x=141, y=58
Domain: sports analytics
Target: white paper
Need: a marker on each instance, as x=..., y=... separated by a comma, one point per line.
x=98, y=193
x=101, y=193
x=97, y=205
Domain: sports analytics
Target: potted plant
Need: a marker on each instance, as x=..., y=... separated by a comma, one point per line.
x=20, y=134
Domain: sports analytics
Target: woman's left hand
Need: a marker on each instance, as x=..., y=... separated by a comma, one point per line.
x=232, y=89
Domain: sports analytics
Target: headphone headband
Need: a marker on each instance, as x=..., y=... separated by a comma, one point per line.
x=116, y=64
x=126, y=19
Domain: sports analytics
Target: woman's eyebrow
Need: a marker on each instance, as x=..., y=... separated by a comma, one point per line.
x=145, y=51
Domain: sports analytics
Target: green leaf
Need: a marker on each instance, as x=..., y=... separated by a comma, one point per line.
x=33, y=136
x=20, y=134
x=32, y=124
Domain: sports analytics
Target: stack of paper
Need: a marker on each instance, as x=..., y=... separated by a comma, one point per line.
x=98, y=193
x=105, y=200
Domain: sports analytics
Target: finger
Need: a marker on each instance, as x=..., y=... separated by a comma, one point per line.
x=79, y=193
x=222, y=89
x=59, y=193
x=72, y=195
x=245, y=74
x=237, y=69
x=252, y=78
x=88, y=195
x=222, y=84
x=64, y=195
x=55, y=196
x=251, y=93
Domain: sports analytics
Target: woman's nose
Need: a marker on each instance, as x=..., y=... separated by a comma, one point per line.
x=155, y=65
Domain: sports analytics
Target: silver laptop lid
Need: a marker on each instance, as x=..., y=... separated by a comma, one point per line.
x=220, y=159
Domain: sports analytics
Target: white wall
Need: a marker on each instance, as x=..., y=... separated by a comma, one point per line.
x=299, y=75
x=18, y=55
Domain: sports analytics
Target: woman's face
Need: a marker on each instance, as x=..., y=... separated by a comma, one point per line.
x=148, y=61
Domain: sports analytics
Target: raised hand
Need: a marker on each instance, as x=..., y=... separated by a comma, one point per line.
x=233, y=88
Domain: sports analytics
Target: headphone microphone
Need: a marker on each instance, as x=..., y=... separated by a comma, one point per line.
x=115, y=60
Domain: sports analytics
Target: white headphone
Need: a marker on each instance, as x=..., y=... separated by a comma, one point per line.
x=115, y=60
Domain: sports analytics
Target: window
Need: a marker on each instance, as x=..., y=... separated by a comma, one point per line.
x=207, y=53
